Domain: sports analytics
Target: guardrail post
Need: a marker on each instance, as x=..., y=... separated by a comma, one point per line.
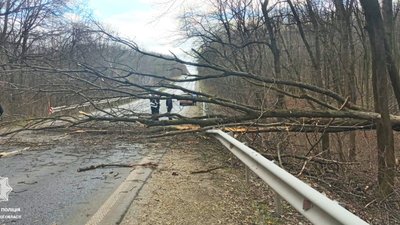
x=316, y=207
x=246, y=169
x=278, y=204
x=247, y=174
x=277, y=201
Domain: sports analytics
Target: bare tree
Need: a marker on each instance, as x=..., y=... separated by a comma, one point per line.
x=386, y=157
x=251, y=56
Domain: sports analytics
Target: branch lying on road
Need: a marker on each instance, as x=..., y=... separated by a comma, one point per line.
x=92, y=167
x=208, y=170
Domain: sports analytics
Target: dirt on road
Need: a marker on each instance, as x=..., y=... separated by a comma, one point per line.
x=200, y=182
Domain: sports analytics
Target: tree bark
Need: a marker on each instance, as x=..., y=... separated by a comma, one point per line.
x=275, y=51
x=386, y=157
x=388, y=23
x=347, y=64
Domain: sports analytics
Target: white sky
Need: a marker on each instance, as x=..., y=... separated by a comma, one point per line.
x=153, y=24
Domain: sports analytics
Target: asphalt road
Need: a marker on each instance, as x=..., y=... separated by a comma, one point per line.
x=47, y=189
x=143, y=105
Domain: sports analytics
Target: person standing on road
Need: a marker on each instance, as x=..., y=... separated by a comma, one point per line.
x=158, y=104
x=1, y=110
x=169, y=106
x=154, y=106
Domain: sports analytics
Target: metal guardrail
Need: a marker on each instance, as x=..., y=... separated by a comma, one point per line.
x=315, y=206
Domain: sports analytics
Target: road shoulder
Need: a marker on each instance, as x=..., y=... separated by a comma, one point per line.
x=199, y=182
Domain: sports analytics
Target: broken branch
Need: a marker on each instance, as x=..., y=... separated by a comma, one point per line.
x=92, y=167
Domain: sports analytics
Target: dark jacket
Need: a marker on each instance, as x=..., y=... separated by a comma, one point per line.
x=158, y=103
x=154, y=103
x=1, y=110
x=169, y=103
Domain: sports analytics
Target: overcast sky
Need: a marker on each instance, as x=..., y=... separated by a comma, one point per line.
x=153, y=24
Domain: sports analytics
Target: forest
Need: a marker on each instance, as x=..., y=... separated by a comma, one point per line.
x=40, y=37
x=313, y=84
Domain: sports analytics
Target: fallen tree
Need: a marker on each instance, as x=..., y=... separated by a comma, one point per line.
x=321, y=109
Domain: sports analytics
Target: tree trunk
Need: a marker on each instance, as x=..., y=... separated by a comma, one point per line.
x=386, y=157
x=275, y=52
x=388, y=23
x=347, y=63
x=315, y=57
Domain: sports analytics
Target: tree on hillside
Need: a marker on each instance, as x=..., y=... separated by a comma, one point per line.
x=381, y=66
x=303, y=62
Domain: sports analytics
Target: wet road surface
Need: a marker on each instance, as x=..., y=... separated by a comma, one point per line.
x=47, y=189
